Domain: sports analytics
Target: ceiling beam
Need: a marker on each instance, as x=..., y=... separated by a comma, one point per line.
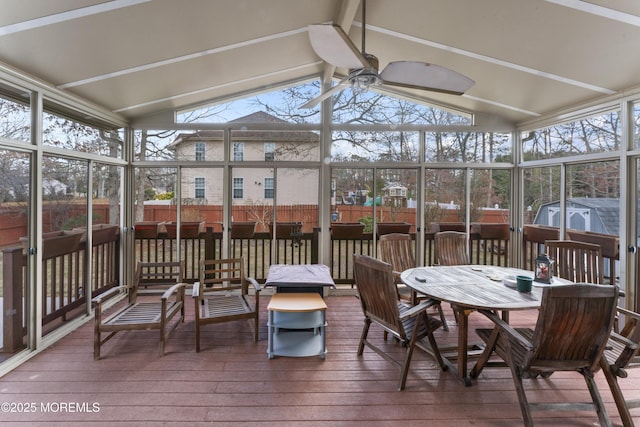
x=601, y=11
x=67, y=16
x=178, y=59
x=491, y=60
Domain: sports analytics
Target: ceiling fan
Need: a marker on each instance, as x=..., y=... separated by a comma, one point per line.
x=333, y=45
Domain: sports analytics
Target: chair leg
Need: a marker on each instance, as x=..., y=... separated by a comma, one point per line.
x=407, y=360
x=197, y=337
x=96, y=340
x=516, y=374
x=256, y=325
x=455, y=313
x=405, y=367
x=162, y=341
x=197, y=323
x=363, y=337
x=603, y=417
x=618, y=397
x=522, y=397
x=443, y=319
x=163, y=335
x=435, y=351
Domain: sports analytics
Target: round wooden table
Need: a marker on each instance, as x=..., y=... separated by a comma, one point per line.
x=473, y=287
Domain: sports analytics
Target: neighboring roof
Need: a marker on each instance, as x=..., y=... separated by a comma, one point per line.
x=258, y=117
x=249, y=135
x=394, y=185
x=140, y=58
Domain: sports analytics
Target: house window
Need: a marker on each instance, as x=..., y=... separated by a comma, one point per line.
x=268, y=188
x=238, y=188
x=238, y=151
x=200, y=151
x=199, y=188
x=269, y=152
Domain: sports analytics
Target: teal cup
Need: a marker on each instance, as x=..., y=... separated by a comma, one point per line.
x=524, y=283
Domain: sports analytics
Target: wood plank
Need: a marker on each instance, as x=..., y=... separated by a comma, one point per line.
x=232, y=382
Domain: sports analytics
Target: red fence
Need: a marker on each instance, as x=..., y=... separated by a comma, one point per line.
x=13, y=220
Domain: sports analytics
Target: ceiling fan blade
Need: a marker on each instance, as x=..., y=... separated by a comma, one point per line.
x=337, y=88
x=421, y=75
x=333, y=45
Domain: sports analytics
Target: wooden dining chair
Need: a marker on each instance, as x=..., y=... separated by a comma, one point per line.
x=452, y=248
x=408, y=324
x=571, y=333
x=579, y=262
x=222, y=295
x=162, y=284
x=397, y=250
x=621, y=354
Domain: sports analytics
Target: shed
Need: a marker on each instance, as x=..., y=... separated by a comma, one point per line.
x=600, y=215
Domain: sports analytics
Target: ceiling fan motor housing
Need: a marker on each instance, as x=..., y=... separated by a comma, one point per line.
x=363, y=78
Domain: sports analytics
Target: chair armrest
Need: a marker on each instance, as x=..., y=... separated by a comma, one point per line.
x=195, y=290
x=108, y=294
x=509, y=331
x=623, y=355
x=173, y=289
x=415, y=310
x=623, y=340
x=631, y=328
x=628, y=313
x=254, y=283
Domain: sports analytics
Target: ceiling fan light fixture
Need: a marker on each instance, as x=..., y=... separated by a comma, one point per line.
x=361, y=80
x=361, y=84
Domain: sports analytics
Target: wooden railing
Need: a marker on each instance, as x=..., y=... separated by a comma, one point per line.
x=257, y=250
x=489, y=245
x=64, y=260
x=64, y=281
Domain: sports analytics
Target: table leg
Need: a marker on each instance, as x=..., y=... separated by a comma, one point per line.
x=463, y=347
x=459, y=369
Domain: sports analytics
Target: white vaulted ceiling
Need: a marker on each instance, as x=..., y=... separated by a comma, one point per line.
x=140, y=57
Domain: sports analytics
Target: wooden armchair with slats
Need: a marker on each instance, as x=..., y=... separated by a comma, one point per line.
x=155, y=298
x=579, y=262
x=452, y=248
x=397, y=249
x=222, y=295
x=571, y=334
x=622, y=353
x=381, y=307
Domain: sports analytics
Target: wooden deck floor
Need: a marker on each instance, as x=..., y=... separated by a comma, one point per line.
x=233, y=383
